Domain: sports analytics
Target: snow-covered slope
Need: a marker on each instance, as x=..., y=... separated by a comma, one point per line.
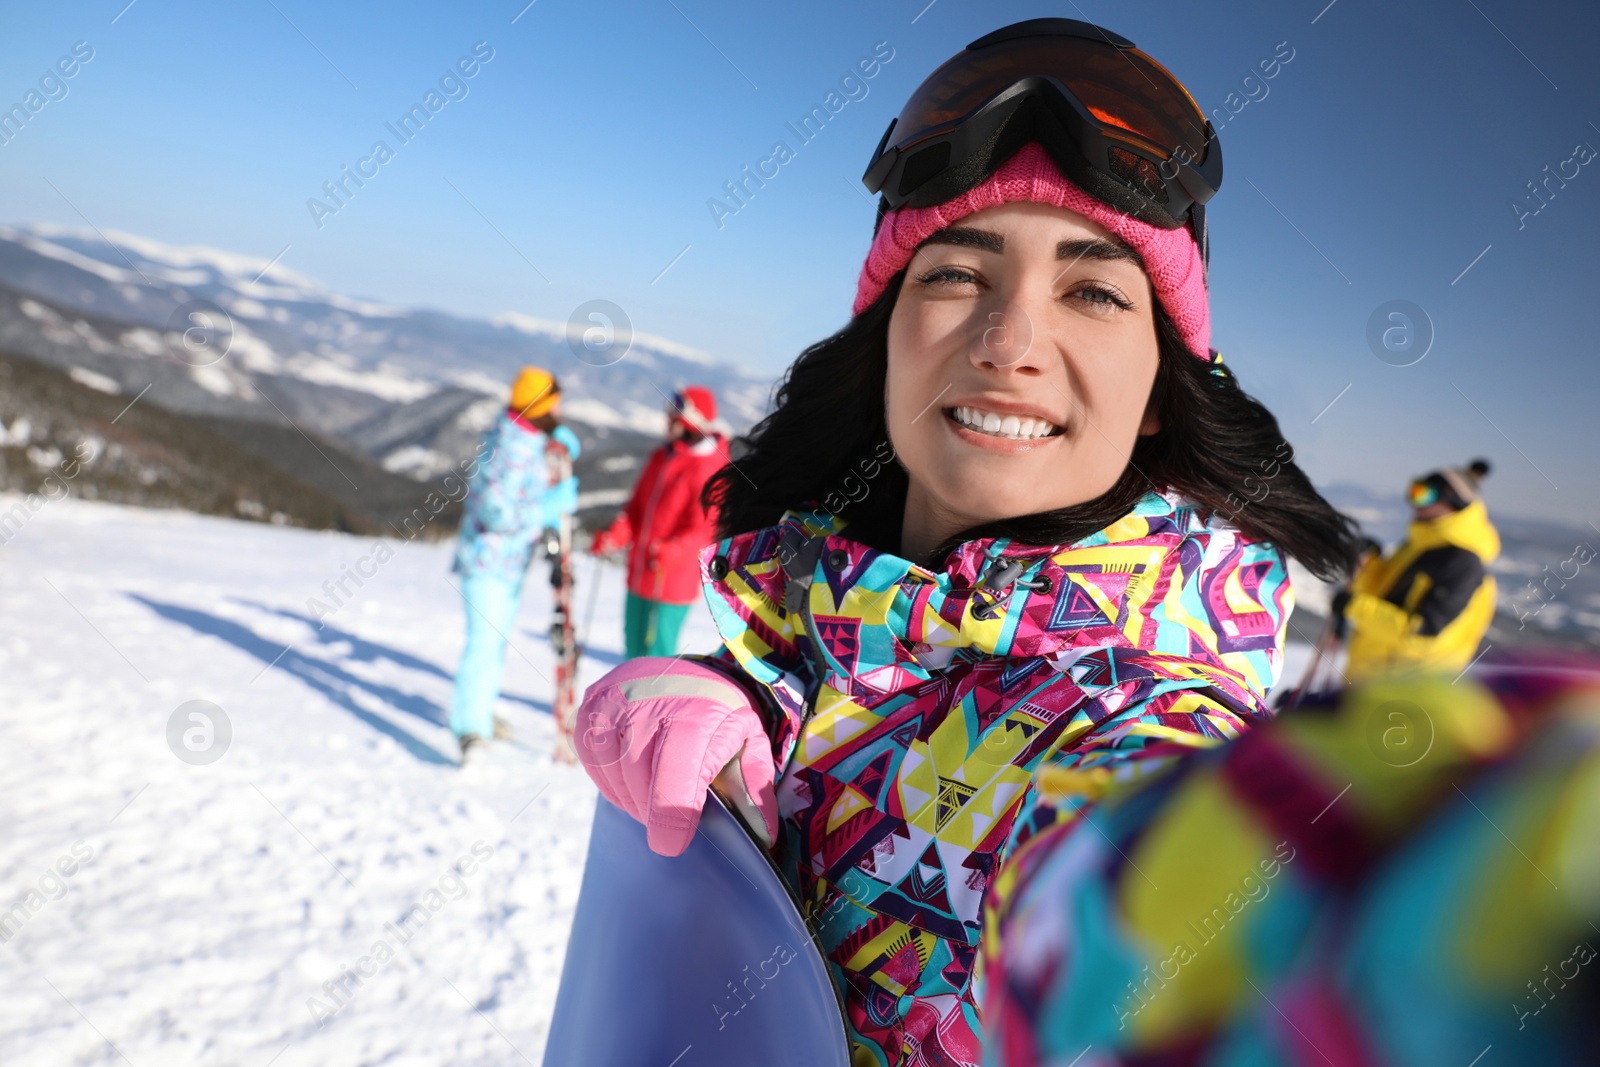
x=217, y=901
x=225, y=913
x=265, y=342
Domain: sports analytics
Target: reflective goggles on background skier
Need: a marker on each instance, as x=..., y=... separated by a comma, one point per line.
x=1115, y=121
x=1423, y=494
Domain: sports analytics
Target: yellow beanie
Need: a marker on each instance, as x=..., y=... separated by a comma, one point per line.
x=534, y=393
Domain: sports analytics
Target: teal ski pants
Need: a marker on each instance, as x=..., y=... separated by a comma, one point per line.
x=650, y=628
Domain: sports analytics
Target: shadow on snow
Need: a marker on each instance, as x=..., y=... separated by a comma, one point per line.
x=365, y=651
x=327, y=678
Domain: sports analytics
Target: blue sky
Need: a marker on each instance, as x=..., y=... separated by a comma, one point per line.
x=1381, y=163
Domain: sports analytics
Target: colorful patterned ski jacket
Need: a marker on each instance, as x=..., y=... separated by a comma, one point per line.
x=911, y=710
x=1401, y=879
x=512, y=498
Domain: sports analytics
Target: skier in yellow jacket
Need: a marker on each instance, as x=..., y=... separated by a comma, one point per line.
x=1427, y=605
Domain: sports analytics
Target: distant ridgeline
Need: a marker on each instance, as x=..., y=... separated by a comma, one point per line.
x=62, y=437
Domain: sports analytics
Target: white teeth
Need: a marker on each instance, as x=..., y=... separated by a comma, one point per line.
x=1012, y=426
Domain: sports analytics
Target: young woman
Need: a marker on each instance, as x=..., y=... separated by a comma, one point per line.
x=1014, y=516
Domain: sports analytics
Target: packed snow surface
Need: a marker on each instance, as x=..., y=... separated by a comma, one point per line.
x=227, y=911
x=332, y=889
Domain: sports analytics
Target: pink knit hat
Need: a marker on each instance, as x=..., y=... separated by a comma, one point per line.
x=1171, y=257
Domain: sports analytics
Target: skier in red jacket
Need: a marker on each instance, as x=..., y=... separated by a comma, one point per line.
x=663, y=526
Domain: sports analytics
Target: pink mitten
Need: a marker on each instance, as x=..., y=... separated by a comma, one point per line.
x=656, y=731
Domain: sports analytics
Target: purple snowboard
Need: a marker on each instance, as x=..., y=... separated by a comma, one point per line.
x=690, y=960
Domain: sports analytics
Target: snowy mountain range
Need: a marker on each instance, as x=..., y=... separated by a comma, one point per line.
x=210, y=333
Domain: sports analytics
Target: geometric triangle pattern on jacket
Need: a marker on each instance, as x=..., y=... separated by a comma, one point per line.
x=913, y=710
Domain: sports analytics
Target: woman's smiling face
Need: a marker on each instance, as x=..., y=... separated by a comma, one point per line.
x=1022, y=351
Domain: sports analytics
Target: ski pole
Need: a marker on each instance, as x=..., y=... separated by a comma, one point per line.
x=1310, y=674
x=1332, y=674
x=1311, y=669
x=594, y=596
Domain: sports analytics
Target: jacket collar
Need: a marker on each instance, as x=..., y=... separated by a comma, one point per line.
x=513, y=417
x=1133, y=584
x=1468, y=528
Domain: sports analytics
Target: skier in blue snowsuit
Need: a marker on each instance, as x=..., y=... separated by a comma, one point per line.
x=512, y=499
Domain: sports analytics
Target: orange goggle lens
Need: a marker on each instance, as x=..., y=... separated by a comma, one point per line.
x=1122, y=88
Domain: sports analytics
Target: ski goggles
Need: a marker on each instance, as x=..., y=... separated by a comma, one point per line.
x=682, y=409
x=1423, y=493
x=1115, y=121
